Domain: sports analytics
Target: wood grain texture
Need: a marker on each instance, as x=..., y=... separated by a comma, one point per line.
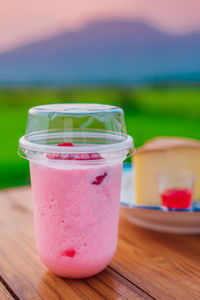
x=28, y=278
x=167, y=266
x=147, y=264
x=4, y=293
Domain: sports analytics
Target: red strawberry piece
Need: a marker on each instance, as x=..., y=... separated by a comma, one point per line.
x=87, y=156
x=69, y=252
x=95, y=156
x=66, y=144
x=53, y=156
x=81, y=156
x=99, y=179
x=61, y=156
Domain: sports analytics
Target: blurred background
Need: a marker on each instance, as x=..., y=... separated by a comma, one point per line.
x=141, y=55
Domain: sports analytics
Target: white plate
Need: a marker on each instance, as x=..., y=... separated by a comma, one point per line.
x=155, y=218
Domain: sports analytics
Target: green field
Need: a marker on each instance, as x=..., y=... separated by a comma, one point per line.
x=149, y=112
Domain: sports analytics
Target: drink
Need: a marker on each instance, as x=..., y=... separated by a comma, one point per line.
x=76, y=184
x=76, y=217
x=176, y=189
x=177, y=198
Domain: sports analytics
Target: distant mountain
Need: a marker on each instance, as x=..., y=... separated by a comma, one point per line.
x=113, y=51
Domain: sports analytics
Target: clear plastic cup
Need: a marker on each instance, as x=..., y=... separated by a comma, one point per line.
x=176, y=189
x=76, y=153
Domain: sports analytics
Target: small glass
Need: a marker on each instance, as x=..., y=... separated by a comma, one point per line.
x=176, y=189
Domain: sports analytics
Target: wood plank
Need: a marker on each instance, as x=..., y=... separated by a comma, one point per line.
x=25, y=274
x=167, y=266
x=4, y=293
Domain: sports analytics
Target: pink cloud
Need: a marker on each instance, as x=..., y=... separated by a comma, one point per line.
x=22, y=21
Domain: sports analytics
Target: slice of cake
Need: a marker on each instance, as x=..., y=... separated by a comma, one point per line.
x=161, y=154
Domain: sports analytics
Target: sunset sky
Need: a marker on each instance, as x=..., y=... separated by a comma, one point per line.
x=23, y=21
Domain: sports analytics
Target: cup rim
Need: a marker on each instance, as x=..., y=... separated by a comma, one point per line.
x=123, y=143
x=176, y=176
x=75, y=108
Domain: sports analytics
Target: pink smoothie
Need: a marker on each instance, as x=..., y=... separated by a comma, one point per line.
x=76, y=211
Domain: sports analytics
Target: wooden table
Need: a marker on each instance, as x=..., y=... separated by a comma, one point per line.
x=147, y=264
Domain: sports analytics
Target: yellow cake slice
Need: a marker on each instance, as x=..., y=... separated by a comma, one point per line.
x=160, y=154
